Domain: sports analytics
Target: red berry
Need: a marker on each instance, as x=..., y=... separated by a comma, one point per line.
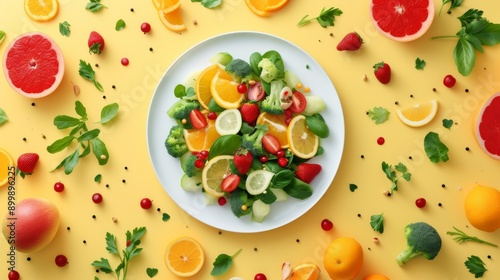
x=59, y=187
x=326, y=225
x=280, y=153
x=14, y=275
x=61, y=260
x=420, y=202
x=380, y=140
x=97, y=198
x=125, y=61
x=146, y=203
x=212, y=116
x=287, y=121
x=449, y=81
x=199, y=163
x=283, y=161
x=222, y=200
x=203, y=154
x=145, y=27
x=263, y=159
x=260, y=276
x=242, y=88
x=288, y=113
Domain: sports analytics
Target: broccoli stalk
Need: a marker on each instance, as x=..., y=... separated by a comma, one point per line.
x=239, y=70
x=272, y=103
x=253, y=141
x=269, y=70
x=181, y=108
x=422, y=240
x=175, y=142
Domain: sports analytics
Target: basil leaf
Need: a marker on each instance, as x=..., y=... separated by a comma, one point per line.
x=210, y=4
x=464, y=56
x=71, y=162
x=221, y=264
x=80, y=109
x=100, y=151
x=490, y=35
x=3, y=117
x=120, y=24
x=282, y=179
x=225, y=145
x=60, y=144
x=317, y=125
x=298, y=189
x=436, y=151
x=476, y=43
x=268, y=197
x=63, y=121
x=109, y=112
x=255, y=58
x=214, y=107
x=180, y=91
x=89, y=135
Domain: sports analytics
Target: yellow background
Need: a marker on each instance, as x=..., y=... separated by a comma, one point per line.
x=302, y=240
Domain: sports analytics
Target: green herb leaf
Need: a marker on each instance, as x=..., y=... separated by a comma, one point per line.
x=103, y=265
x=80, y=110
x=2, y=36
x=209, y=4
x=392, y=175
x=120, y=24
x=111, y=244
x=88, y=135
x=3, y=116
x=378, y=114
x=419, y=64
x=447, y=123
x=470, y=16
x=225, y=145
x=60, y=144
x=64, y=28
x=100, y=151
x=282, y=178
x=109, y=112
x=377, y=222
x=165, y=217
x=71, y=161
x=94, y=6
x=352, y=187
x=180, y=91
x=298, y=189
x=462, y=237
x=222, y=264
x=151, y=272
x=87, y=72
x=464, y=56
x=326, y=17
x=475, y=266
x=436, y=151
x=63, y=121
x=489, y=35
x=317, y=125
x=98, y=178
x=454, y=4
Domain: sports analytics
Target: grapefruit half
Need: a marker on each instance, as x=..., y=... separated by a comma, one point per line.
x=402, y=20
x=33, y=65
x=487, y=127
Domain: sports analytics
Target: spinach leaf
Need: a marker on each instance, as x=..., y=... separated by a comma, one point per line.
x=436, y=151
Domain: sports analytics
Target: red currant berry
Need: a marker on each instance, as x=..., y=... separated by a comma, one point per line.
x=380, y=140
x=260, y=276
x=449, y=81
x=199, y=163
x=97, y=198
x=14, y=275
x=145, y=27
x=280, y=153
x=326, y=225
x=222, y=200
x=263, y=159
x=61, y=260
x=283, y=161
x=59, y=187
x=203, y=154
x=146, y=203
x=242, y=88
x=212, y=116
x=125, y=61
x=420, y=202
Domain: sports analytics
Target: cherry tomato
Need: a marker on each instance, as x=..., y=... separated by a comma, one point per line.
x=256, y=92
x=146, y=203
x=222, y=200
x=260, y=276
x=197, y=119
x=420, y=203
x=449, y=81
x=299, y=102
x=61, y=260
x=242, y=88
x=271, y=144
x=124, y=61
x=212, y=116
x=145, y=27
x=199, y=163
x=326, y=225
x=97, y=198
x=282, y=161
x=230, y=183
x=59, y=187
x=14, y=275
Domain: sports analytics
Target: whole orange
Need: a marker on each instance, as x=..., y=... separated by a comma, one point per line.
x=376, y=277
x=482, y=208
x=343, y=258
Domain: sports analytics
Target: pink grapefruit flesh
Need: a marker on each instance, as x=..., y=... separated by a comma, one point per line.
x=487, y=127
x=33, y=65
x=402, y=20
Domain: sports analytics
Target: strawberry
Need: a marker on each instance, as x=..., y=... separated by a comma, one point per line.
x=249, y=112
x=382, y=72
x=26, y=163
x=306, y=172
x=95, y=43
x=243, y=160
x=351, y=42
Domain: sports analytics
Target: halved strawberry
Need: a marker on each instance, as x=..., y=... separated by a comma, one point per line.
x=306, y=172
x=243, y=160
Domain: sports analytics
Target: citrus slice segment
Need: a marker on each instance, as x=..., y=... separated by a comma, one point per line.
x=263, y=7
x=302, y=142
x=276, y=125
x=184, y=257
x=418, y=114
x=41, y=10
x=214, y=172
x=172, y=18
x=258, y=181
x=6, y=161
x=164, y=4
x=201, y=139
x=487, y=127
x=228, y=122
x=225, y=92
x=203, y=82
x=306, y=271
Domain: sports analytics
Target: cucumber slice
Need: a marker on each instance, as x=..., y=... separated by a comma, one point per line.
x=191, y=184
x=190, y=80
x=260, y=210
x=210, y=199
x=221, y=58
x=280, y=194
x=291, y=79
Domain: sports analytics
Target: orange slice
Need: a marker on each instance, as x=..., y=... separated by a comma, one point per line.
x=263, y=7
x=306, y=271
x=302, y=142
x=276, y=127
x=201, y=139
x=41, y=10
x=6, y=161
x=184, y=257
x=203, y=82
x=171, y=17
x=418, y=114
x=164, y=4
x=225, y=92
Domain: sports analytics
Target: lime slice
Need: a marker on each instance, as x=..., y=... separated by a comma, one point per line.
x=228, y=122
x=258, y=181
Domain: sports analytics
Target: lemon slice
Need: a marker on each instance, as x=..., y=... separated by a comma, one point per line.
x=258, y=181
x=301, y=141
x=228, y=122
x=214, y=172
x=418, y=114
x=6, y=162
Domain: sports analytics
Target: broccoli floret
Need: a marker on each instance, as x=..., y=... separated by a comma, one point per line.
x=422, y=240
x=269, y=70
x=181, y=108
x=175, y=142
x=253, y=141
x=189, y=167
x=272, y=103
x=240, y=70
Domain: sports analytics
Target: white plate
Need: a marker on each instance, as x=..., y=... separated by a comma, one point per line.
x=241, y=45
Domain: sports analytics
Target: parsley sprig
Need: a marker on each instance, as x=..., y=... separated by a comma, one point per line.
x=377, y=222
x=453, y=4
x=392, y=175
x=378, y=114
x=325, y=18
x=94, y=6
x=126, y=255
x=462, y=237
x=475, y=33
x=88, y=73
x=475, y=266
